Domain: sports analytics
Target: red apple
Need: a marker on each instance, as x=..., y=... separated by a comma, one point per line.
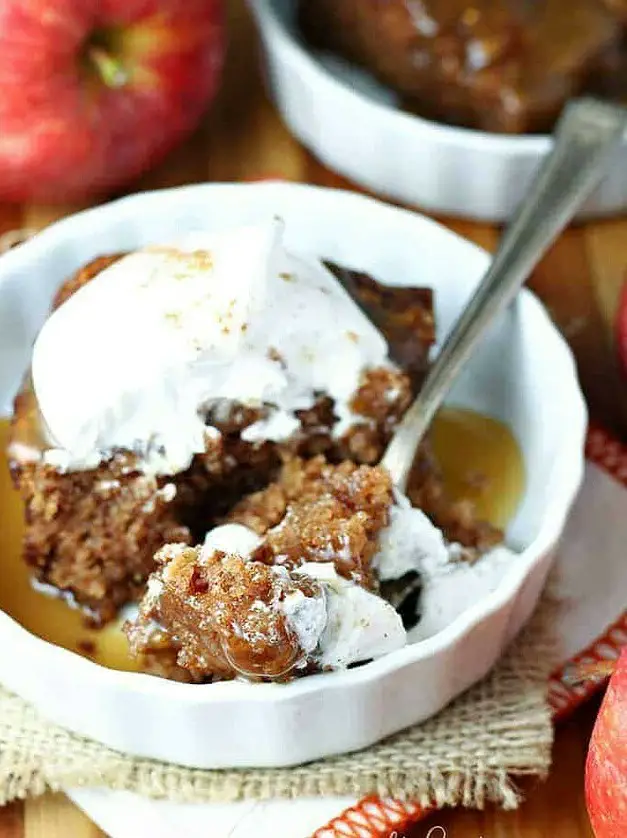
x=93, y=92
x=606, y=768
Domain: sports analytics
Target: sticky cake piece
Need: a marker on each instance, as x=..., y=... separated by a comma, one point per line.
x=224, y=615
x=90, y=534
x=505, y=67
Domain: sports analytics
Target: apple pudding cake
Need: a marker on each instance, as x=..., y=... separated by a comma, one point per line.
x=199, y=432
x=503, y=66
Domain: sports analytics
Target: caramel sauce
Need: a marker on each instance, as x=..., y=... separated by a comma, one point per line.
x=479, y=457
x=46, y=616
x=480, y=461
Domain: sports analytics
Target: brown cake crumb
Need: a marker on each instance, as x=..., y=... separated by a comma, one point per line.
x=403, y=314
x=317, y=512
x=229, y=625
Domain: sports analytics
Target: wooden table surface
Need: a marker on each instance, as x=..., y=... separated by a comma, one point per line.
x=579, y=280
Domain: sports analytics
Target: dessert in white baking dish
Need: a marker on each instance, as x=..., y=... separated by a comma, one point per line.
x=224, y=392
x=516, y=401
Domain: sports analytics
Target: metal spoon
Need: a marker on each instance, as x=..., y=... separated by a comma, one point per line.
x=587, y=135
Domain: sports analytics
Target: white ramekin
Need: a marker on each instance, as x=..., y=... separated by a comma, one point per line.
x=355, y=127
x=523, y=374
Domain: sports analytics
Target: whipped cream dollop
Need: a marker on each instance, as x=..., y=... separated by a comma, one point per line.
x=307, y=617
x=450, y=584
x=136, y=357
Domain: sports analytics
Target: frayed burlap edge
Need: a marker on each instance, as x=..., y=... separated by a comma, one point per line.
x=468, y=755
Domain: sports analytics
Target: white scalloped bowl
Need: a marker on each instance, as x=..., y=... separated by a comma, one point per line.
x=523, y=374
x=354, y=126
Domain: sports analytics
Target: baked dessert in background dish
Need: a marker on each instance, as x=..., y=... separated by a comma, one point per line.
x=619, y=7
x=289, y=585
x=505, y=66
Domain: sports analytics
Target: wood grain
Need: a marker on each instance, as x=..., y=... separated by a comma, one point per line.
x=12, y=821
x=579, y=280
x=55, y=817
x=554, y=809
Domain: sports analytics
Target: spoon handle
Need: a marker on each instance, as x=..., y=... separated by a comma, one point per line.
x=588, y=133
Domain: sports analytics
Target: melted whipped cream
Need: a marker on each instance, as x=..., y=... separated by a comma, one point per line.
x=359, y=625
x=450, y=589
x=134, y=358
x=450, y=584
x=410, y=542
x=307, y=617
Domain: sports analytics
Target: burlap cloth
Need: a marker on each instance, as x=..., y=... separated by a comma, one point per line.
x=468, y=755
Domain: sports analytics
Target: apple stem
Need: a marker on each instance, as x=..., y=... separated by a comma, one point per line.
x=109, y=68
